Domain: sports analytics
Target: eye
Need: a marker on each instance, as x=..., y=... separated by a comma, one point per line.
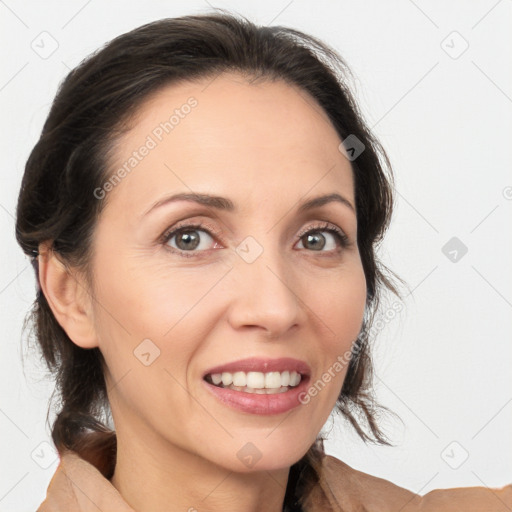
x=315, y=240
x=188, y=239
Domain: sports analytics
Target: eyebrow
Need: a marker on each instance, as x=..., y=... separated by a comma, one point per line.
x=223, y=203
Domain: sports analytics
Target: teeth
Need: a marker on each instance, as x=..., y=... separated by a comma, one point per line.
x=271, y=391
x=273, y=380
x=227, y=378
x=255, y=381
x=239, y=379
x=217, y=378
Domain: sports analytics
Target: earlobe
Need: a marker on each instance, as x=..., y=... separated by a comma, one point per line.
x=67, y=297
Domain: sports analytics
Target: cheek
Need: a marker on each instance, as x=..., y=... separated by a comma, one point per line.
x=149, y=301
x=343, y=317
x=340, y=304
x=147, y=316
x=151, y=328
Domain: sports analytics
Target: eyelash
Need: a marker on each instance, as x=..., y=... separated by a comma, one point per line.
x=343, y=239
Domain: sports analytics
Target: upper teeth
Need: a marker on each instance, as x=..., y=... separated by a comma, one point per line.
x=257, y=380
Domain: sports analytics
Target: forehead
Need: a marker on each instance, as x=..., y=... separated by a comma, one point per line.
x=259, y=140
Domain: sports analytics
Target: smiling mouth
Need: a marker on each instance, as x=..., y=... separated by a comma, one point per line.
x=269, y=383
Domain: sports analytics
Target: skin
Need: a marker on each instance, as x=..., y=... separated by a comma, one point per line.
x=266, y=147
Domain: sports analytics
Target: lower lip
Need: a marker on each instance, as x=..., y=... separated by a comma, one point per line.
x=259, y=404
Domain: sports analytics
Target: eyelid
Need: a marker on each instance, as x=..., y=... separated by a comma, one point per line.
x=186, y=224
x=321, y=226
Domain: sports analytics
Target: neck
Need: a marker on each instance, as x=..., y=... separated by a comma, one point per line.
x=151, y=474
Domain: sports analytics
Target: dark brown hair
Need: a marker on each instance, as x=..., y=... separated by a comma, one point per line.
x=57, y=203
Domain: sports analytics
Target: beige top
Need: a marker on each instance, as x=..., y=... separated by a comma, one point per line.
x=78, y=486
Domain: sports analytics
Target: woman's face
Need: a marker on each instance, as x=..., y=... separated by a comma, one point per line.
x=249, y=283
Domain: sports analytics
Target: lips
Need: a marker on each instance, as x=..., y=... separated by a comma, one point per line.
x=262, y=365
x=277, y=402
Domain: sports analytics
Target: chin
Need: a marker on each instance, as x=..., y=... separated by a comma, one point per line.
x=265, y=454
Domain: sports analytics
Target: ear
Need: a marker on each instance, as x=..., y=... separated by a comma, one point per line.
x=68, y=298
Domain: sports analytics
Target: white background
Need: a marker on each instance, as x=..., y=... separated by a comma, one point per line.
x=444, y=363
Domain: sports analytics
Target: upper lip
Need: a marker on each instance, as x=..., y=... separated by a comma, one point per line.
x=264, y=365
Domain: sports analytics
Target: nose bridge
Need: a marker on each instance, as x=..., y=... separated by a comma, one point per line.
x=265, y=296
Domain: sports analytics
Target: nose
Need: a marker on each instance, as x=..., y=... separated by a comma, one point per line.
x=267, y=296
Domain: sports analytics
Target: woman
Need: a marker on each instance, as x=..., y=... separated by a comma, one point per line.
x=218, y=363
